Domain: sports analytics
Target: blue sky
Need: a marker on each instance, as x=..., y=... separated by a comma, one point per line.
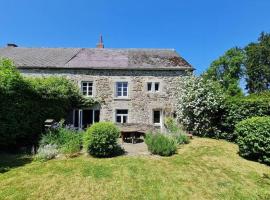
x=200, y=31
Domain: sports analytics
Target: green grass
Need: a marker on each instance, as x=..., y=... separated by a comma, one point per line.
x=203, y=169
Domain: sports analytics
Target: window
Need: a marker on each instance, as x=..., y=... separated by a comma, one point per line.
x=122, y=89
x=121, y=116
x=156, y=87
x=87, y=88
x=149, y=87
x=153, y=87
x=84, y=118
x=156, y=117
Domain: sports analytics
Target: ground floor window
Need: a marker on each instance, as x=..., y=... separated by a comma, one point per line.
x=121, y=116
x=82, y=118
x=157, y=117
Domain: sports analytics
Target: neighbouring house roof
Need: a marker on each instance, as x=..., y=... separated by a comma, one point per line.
x=95, y=58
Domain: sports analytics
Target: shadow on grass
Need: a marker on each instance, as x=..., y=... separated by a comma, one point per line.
x=10, y=161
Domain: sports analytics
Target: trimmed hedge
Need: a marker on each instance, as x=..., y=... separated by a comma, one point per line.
x=254, y=138
x=240, y=108
x=100, y=140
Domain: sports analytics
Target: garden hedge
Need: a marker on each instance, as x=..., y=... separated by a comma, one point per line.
x=253, y=138
x=240, y=108
x=26, y=103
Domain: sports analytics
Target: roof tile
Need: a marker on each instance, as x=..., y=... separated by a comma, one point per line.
x=94, y=58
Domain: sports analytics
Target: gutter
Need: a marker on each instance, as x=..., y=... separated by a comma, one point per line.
x=109, y=68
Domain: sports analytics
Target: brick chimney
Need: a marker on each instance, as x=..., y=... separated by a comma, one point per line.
x=100, y=43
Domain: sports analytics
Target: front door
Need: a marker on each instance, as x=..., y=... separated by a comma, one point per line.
x=83, y=118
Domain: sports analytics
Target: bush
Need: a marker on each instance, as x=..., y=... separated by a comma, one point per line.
x=254, y=138
x=71, y=147
x=176, y=131
x=34, y=100
x=18, y=117
x=182, y=138
x=200, y=106
x=160, y=144
x=240, y=108
x=47, y=152
x=68, y=141
x=100, y=140
x=171, y=125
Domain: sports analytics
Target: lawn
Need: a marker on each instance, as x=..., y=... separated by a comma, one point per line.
x=203, y=169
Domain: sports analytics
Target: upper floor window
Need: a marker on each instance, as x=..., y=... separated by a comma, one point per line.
x=153, y=87
x=156, y=87
x=122, y=89
x=149, y=87
x=87, y=88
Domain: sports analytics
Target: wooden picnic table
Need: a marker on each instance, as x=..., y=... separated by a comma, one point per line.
x=133, y=131
x=133, y=135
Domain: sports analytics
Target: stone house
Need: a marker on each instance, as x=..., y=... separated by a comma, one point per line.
x=132, y=85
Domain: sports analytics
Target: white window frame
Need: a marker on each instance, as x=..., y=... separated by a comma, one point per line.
x=153, y=86
x=80, y=116
x=87, y=88
x=150, y=87
x=154, y=89
x=122, y=89
x=121, y=116
x=160, y=118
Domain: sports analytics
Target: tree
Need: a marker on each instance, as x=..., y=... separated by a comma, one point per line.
x=200, y=106
x=258, y=65
x=25, y=103
x=228, y=70
x=17, y=103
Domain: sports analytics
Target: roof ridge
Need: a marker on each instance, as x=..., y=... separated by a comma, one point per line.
x=147, y=49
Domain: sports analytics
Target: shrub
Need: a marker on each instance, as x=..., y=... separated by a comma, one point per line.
x=182, y=138
x=200, y=106
x=68, y=141
x=171, y=125
x=160, y=144
x=72, y=146
x=176, y=131
x=18, y=116
x=47, y=152
x=240, y=108
x=254, y=138
x=34, y=100
x=100, y=140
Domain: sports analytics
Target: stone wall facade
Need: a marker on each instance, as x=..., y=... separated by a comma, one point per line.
x=140, y=103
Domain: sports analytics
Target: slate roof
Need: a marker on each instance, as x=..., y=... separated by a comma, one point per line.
x=95, y=58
